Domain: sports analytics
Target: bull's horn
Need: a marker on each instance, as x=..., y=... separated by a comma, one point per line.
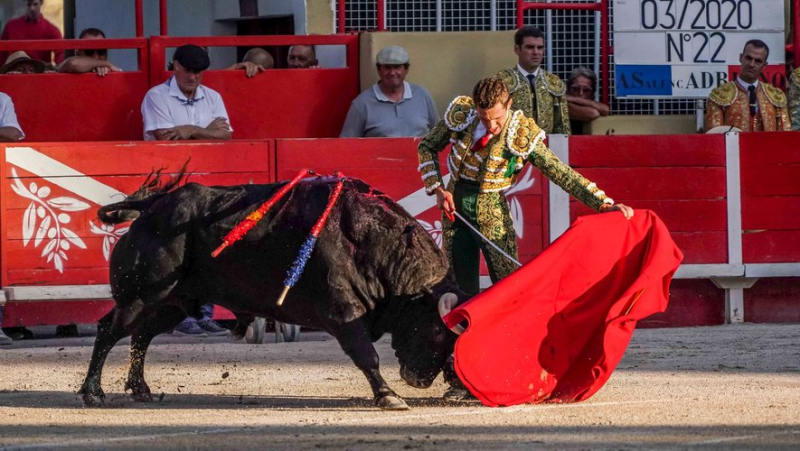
x=446, y=304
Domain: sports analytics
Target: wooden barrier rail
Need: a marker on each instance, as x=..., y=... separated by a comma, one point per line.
x=734, y=232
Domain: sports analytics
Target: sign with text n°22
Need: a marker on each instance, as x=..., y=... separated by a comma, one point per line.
x=685, y=48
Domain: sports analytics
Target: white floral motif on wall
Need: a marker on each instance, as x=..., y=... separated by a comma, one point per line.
x=435, y=230
x=46, y=219
x=110, y=236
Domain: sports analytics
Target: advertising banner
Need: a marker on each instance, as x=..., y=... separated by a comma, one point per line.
x=685, y=48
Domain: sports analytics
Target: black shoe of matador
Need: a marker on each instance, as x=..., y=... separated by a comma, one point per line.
x=457, y=391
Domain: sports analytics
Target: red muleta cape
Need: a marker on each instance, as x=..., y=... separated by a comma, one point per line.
x=555, y=329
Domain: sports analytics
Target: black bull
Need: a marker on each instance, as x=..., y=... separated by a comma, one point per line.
x=374, y=270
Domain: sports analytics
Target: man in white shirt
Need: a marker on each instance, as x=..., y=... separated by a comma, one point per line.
x=182, y=108
x=10, y=131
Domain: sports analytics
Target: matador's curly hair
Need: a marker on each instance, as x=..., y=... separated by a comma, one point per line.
x=489, y=92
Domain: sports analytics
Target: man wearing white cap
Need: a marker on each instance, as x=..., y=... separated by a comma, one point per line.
x=392, y=107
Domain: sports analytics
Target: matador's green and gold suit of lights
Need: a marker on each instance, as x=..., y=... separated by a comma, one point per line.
x=480, y=176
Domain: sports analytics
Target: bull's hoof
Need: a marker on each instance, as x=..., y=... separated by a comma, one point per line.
x=391, y=403
x=92, y=401
x=92, y=395
x=140, y=392
x=142, y=397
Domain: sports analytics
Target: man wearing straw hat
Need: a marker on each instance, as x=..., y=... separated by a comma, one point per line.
x=21, y=63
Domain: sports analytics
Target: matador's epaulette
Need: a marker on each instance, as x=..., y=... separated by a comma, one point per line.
x=775, y=95
x=512, y=78
x=554, y=84
x=460, y=113
x=523, y=135
x=724, y=94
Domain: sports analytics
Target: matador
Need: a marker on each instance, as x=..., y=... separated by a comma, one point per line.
x=731, y=104
x=490, y=146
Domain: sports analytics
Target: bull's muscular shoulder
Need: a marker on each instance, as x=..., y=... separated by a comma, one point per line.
x=724, y=94
x=512, y=79
x=460, y=113
x=774, y=95
x=554, y=84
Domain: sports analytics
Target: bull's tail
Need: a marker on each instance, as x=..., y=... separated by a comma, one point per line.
x=152, y=189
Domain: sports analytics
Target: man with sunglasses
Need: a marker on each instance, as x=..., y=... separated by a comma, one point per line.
x=537, y=93
x=89, y=60
x=581, y=88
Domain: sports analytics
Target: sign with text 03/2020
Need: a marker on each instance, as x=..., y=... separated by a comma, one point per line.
x=685, y=48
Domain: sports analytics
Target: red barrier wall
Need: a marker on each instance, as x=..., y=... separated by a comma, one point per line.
x=770, y=178
x=681, y=178
x=770, y=171
x=286, y=103
x=49, y=200
x=69, y=107
x=48, y=183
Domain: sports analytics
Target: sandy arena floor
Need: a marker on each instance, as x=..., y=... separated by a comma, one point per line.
x=693, y=388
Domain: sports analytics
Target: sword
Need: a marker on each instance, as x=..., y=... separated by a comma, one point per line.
x=497, y=248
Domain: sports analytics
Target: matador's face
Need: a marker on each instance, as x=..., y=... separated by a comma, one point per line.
x=494, y=118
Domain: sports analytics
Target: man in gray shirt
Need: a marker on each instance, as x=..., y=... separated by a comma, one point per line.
x=392, y=107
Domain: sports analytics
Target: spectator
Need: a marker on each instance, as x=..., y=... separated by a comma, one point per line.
x=392, y=107
x=94, y=60
x=538, y=93
x=21, y=63
x=747, y=103
x=581, y=88
x=255, y=61
x=793, y=92
x=32, y=26
x=182, y=108
x=10, y=131
x=302, y=57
